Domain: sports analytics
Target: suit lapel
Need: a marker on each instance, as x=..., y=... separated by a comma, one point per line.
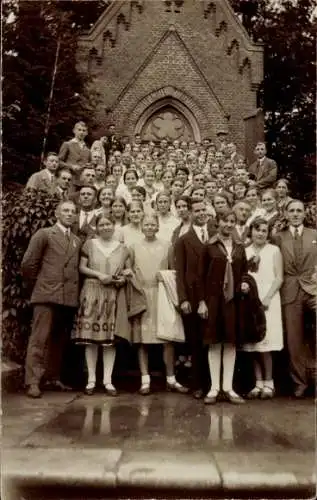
x=289, y=245
x=307, y=243
x=194, y=241
x=60, y=237
x=72, y=247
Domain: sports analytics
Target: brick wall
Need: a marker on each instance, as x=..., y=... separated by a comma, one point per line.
x=201, y=56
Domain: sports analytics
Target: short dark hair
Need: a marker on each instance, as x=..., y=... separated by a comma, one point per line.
x=90, y=187
x=63, y=169
x=186, y=199
x=50, y=153
x=225, y=214
x=182, y=169
x=129, y=171
x=257, y=222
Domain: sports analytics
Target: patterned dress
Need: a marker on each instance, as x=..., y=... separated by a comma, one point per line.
x=96, y=316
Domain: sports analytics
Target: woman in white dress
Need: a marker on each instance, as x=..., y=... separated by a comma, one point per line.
x=266, y=267
x=132, y=232
x=167, y=222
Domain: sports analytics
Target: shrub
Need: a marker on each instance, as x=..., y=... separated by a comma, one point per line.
x=23, y=214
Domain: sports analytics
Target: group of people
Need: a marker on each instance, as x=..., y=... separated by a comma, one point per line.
x=180, y=244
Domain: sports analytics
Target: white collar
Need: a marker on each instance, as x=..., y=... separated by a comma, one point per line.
x=300, y=229
x=65, y=230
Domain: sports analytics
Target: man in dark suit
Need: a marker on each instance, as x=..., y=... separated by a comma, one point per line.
x=50, y=268
x=189, y=249
x=241, y=230
x=263, y=170
x=298, y=245
x=85, y=222
x=63, y=180
x=44, y=180
x=75, y=153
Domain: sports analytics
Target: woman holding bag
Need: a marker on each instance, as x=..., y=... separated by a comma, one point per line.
x=149, y=257
x=266, y=267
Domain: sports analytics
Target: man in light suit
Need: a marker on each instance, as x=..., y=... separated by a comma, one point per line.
x=50, y=268
x=298, y=245
x=263, y=170
x=188, y=251
x=44, y=180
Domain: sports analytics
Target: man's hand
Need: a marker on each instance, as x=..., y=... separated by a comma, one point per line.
x=186, y=307
x=245, y=287
x=202, y=310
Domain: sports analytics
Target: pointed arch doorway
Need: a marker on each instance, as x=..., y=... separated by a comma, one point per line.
x=168, y=119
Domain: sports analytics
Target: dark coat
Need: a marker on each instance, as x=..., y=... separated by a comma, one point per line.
x=251, y=321
x=265, y=174
x=50, y=267
x=221, y=324
x=85, y=232
x=188, y=251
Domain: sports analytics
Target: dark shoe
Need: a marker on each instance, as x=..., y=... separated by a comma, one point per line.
x=176, y=387
x=110, y=390
x=34, y=391
x=144, y=389
x=57, y=385
x=211, y=398
x=233, y=398
x=198, y=394
x=299, y=392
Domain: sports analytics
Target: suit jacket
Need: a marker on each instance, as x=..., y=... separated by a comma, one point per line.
x=265, y=174
x=188, y=251
x=41, y=181
x=300, y=276
x=243, y=238
x=50, y=267
x=85, y=232
x=71, y=153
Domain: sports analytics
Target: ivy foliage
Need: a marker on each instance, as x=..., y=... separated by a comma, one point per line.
x=23, y=214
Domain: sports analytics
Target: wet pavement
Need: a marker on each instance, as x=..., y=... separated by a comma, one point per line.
x=158, y=446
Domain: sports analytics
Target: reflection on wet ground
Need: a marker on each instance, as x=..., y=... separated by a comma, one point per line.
x=181, y=423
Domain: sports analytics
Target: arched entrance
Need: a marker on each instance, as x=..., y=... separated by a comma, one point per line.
x=167, y=119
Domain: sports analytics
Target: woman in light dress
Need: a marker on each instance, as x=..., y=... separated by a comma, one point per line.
x=167, y=222
x=266, y=267
x=105, y=265
x=104, y=200
x=132, y=232
x=119, y=216
x=148, y=257
x=282, y=190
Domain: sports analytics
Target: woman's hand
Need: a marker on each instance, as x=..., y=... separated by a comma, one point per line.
x=202, y=310
x=245, y=287
x=159, y=277
x=266, y=302
x=128, y=273
x=186, y=307
x=105, y=279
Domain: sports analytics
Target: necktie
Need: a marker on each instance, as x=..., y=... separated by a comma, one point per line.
x=67, y=234
x=297, y=247
x=85, y=219
x=203, y=235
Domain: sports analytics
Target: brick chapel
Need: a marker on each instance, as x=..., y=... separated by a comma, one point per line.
x=184, y=69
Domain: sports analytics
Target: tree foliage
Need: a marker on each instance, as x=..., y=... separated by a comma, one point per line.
x=33, y=33
x=288, y=31
x=23, y=214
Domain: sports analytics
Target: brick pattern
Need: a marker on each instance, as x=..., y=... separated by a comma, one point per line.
x=196, y=53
